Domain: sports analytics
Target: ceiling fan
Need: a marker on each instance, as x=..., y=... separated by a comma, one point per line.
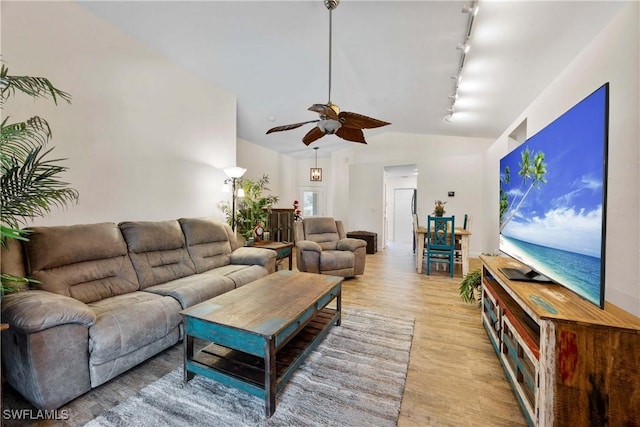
x=343, y=124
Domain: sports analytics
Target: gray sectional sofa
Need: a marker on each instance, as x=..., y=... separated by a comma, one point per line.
x=109, y=297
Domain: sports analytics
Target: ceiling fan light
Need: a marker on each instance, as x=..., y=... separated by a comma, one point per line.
x=329, y=126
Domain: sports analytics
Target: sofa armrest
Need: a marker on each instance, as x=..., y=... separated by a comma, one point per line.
x=33, y=311
x=308, y=245
x=253, y=256
x=350, y=244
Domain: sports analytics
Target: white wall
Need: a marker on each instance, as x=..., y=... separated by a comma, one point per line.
x=144, y=138
x=602, y=60
x=280, y=168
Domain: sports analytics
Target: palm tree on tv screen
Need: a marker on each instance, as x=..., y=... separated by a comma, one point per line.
x=532, y=170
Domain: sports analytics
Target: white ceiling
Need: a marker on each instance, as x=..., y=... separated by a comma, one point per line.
x=392, y=60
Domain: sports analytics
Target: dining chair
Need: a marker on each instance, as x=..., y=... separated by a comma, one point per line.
x=466, y=225
x=440, y=239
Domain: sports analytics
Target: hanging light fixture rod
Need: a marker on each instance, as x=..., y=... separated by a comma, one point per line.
x=330, y=5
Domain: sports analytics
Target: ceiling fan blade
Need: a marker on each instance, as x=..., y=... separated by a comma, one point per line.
x=325, y=110
x=313, y=135
x=351, y=134
x=291, y=126
x=358, y=121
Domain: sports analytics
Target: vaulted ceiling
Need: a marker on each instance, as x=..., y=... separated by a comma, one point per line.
x=392, y=60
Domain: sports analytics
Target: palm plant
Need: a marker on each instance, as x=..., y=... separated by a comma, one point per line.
x=252, y=208
x=470, y=287
x=29, y=184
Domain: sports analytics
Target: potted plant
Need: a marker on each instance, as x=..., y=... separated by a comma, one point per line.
x=470, y=288
x=438, y=209
x=253, y=208
x=30, y=182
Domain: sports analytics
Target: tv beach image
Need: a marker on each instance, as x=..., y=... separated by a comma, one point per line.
x=552, y=199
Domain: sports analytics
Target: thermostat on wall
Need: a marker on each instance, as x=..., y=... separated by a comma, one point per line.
x=452, y=193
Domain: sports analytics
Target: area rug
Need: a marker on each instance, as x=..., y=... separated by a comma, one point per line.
x=355, y=377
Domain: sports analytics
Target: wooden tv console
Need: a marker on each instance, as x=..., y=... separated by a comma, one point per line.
x=569, y=362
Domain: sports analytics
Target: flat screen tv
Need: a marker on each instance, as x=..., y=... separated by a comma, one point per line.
x=553, y=200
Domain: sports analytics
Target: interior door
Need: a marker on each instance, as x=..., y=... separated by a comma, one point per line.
x=402, y=215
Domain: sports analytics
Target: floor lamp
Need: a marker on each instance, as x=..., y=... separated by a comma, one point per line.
x=234, y=174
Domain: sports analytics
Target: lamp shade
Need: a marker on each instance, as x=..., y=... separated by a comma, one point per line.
x=235, y=172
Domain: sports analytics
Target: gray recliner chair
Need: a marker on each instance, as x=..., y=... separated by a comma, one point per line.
x=322, y=247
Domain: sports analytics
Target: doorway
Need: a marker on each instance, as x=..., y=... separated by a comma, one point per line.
x=400, y=189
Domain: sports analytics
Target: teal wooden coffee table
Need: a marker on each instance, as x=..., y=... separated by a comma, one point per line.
x=260, y=333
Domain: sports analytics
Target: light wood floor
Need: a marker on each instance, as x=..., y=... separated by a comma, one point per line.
x=454, y=378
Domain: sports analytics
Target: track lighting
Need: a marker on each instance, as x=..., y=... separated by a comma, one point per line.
x=464, y=47
x=470, y=7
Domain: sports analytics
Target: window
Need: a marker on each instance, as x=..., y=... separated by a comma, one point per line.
x=311, y=202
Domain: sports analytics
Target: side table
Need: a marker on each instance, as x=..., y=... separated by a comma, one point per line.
x=369, y=237
x=282, y=249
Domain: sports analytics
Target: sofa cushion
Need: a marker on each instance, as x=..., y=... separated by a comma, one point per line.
x=194, y=289
x=88, y=262
x=125, y=323
x=157, y=250
x=323, y=231
x=241, y=274
x=207, y=241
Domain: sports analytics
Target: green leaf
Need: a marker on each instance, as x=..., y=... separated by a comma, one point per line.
x=38, y=87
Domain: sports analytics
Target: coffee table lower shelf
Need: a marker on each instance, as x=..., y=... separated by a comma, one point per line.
x=247, y=372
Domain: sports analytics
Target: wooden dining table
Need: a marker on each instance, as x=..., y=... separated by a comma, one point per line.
x=461, y=235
